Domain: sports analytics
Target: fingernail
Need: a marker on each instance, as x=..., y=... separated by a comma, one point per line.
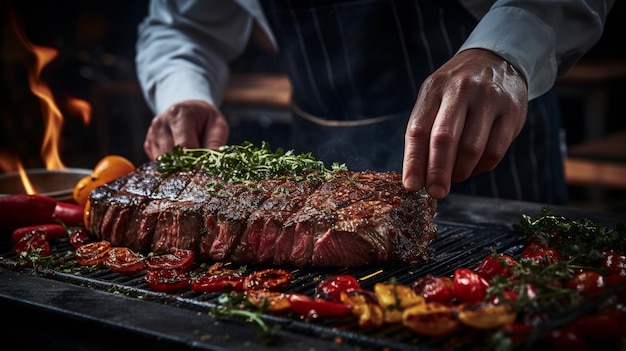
x=412, y=183
x=436, y=191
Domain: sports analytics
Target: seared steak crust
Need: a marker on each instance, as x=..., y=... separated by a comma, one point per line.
x=351, y=219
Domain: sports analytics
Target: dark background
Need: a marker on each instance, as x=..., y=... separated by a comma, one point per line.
x=96, y=43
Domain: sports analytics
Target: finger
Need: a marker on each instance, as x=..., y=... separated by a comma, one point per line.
x=444, y=140
x=473, y=141
x=158, y=139
x=497, y=145
x=417, y=140
x=216, y=133
x=184, y=128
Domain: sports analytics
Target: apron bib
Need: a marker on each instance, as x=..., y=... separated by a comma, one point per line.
x=356, y=67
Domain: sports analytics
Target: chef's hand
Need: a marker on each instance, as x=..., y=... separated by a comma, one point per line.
x=466, y=116
x=190, y=124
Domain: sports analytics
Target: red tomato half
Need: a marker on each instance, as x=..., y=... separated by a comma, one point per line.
x=434, y=289
x=79, y=237
x=586, y=283
x=167, y=280
x=33, y=242
x=270, y=279
x=92, y=254
x=178, y=259
x=496, y=264
x=331, y=288
x=124, y=260
x=469, y=287
x=614, y=262
x=541, y=253
x=227, y=280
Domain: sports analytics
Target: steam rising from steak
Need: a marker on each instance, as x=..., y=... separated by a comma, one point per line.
x=349, y=219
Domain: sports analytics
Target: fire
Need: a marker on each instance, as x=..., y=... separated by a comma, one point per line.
x=28, y=187
x=52, y=114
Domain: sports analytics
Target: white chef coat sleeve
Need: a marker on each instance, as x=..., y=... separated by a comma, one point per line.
x=542, y=39
x=184, y=47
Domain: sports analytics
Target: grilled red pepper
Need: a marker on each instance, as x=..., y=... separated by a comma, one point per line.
x=316, y=308
x=21, y=210
x=51, y=231
x=68, y=213
x=330, y=288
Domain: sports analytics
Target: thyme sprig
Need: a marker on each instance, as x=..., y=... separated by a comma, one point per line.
x=246, y=162
x=233, y=305
x=582, y=241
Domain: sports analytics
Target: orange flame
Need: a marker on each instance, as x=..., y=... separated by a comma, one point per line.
x=28, y=186
x=54, y=121
x=51, y=112
x=54, y=117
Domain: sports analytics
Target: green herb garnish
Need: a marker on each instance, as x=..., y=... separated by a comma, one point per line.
x=246, y=162
x=235, y=305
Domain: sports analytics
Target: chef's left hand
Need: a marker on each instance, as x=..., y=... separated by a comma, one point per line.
x=466, y=116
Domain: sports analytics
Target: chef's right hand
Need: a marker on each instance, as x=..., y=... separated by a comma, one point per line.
x=190, y=124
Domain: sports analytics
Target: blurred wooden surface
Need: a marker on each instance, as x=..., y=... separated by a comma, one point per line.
x=599, y=162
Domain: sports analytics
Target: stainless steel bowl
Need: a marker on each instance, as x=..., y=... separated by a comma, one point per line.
x=58, y=184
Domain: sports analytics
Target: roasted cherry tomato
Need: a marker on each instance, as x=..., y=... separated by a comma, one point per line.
x=586, y=283
x=432, y=319
x=270, y=279
x=331, y=288
x=568, y=339
x=434, y=289
x=469, y=287
x=79, y=237
x=602, y=326
x=614, y=262
x=92, y=254
x=51, y=231
x=273, y=301
x=177, y=259
x=495, y=264
x=541, y=253
x=167, y=280
x=317, y=308
x=228, y=280
x=106, y=170
x=33, y=242
x=124, y=260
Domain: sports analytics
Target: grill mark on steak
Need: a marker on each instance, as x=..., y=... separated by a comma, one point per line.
x=112, y=207
x=170, y=226
x=353, y=218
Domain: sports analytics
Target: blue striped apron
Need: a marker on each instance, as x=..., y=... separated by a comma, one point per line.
x=356, y=67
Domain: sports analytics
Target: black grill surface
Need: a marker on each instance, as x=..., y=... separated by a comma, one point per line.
x=98, y=309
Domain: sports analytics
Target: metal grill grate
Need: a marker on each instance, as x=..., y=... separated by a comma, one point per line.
x=459, y=245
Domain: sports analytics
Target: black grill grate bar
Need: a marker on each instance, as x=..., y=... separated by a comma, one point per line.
x=458, y=245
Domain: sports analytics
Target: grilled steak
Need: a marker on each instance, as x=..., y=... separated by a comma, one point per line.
x=349, y=219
